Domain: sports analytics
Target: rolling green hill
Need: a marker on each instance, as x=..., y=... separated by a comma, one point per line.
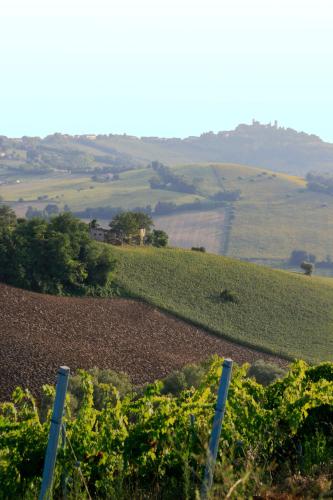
x=285, y=313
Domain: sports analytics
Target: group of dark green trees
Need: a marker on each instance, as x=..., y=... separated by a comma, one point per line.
x=52, y=256
x=165, y=178
x=57, y=255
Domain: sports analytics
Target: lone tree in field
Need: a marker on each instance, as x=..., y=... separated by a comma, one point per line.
x=307, y=267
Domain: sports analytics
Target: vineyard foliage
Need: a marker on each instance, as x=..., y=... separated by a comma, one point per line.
x=146, y=441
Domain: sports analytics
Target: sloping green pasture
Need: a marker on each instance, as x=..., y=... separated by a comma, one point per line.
x=286, y=313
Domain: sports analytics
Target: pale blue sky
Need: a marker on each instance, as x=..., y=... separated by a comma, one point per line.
x=166, y=68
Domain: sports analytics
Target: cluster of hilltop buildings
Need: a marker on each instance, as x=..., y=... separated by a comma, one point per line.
x=256, y=123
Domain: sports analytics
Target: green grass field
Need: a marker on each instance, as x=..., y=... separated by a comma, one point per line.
x=285, y=313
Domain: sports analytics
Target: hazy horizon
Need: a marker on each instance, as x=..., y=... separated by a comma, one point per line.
x=92, y=132
x=167, y=69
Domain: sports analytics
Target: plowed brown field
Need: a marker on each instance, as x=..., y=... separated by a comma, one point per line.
x=38, y=333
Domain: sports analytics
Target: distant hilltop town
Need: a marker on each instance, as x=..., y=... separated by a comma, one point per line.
x=268, y=145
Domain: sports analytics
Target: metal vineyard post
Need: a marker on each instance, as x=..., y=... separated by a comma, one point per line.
x=52, y=445
x=217, y=426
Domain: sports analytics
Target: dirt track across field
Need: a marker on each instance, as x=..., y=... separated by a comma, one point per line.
x=38, y=333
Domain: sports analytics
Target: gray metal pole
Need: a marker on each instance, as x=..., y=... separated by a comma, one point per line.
x=63, y=475
x=52, y=445
x=216, y=429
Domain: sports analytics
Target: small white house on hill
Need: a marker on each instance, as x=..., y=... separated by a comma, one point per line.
x=99, y=234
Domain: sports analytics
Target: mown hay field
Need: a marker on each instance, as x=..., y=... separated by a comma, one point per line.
x=194, y=229
x=274, y=228
x=285, y=313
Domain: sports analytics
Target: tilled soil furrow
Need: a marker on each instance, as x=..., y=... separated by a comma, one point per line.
x=38, y=333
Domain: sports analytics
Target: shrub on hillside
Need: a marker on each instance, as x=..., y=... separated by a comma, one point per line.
x=179, y=380
x=265, y=373
x=228, y=296
x=103, y=381
x=174, y=383
x=198, y=249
